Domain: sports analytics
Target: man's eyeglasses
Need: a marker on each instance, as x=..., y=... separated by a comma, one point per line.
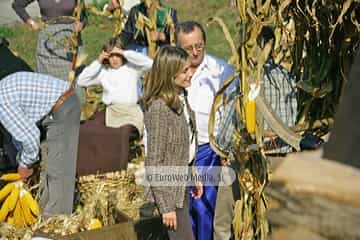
x=198, y=47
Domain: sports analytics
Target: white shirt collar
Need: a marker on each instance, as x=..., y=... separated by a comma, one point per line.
x=204, y=65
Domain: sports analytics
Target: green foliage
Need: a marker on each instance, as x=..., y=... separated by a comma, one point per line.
x=22, y=41
x=95, y=35
x=6, y=32
x=330, y=45
x=93, y=18
x=99, y=4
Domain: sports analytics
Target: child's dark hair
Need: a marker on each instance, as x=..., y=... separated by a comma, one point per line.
x=112, y=43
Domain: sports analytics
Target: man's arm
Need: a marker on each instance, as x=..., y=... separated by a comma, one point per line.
x=19, y=8
x=23, y=131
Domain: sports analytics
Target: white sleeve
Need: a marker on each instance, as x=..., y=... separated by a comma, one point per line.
x=140, y=61
x=90, y=75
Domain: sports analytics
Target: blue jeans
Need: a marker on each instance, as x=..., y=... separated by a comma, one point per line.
x=144, y=50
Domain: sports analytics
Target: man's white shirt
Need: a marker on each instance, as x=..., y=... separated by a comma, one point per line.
x=206, y=81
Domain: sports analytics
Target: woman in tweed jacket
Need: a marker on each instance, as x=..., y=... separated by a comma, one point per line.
x=170, y=135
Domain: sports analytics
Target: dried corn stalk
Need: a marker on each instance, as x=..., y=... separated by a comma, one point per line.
x=118, y=23
x=327, y=35
x=316, y=41
x=145, y=25
x=250, y=221
x=152, y=27
x=234, y=59
x=117, y=15
x=80, y=6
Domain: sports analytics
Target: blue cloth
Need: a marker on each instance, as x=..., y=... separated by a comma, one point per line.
x=25, y=99
x=138, y=48
x=145, y=51
x=202, y=210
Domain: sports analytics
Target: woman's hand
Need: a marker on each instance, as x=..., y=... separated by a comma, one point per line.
x=34, y=25
x=169, y=220
x=197, y=191
x=78, y=26
x=103, y=55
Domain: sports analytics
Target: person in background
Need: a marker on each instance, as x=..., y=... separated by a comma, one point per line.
x=345, y=135
x=52, y=55
x=9, y=63
x=279, y=93
x=118, y=72
x=170, y=125
x=134, y=33
x=125, y=5
x=209, y=73
x=32, y=100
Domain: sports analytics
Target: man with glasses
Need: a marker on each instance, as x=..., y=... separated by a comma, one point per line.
x=209, y=74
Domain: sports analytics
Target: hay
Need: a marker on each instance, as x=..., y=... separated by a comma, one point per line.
x=102, y=196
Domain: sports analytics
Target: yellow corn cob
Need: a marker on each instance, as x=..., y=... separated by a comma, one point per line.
x=10, y=177
x=4, y=210
x=10, y=220
x=250, y=115
x=31, y=202
x=6, y=190
x=12, y=199
x=29, y=218
x=19, y=219
x=94, y=224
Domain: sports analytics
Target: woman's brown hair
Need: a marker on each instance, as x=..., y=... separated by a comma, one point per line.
x=159, y=82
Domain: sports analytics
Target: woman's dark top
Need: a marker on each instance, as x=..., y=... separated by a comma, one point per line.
x=49, y=9
x=131, y=35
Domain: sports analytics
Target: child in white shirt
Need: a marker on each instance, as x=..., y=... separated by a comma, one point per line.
x=118, y=71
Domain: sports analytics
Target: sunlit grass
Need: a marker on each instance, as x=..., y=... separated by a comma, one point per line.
x=99, y=30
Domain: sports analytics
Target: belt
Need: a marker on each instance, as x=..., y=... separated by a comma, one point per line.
x=62, y=99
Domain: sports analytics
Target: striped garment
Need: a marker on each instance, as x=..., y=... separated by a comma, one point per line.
x=279, y=91
x=25, y=99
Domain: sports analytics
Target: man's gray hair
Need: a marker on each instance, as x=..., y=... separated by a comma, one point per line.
x=188, y=27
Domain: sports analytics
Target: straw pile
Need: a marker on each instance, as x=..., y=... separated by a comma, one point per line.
x=102, y=196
